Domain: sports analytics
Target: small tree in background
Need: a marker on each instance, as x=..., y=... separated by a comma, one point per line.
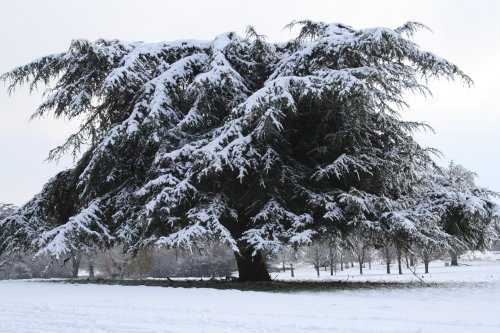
x=141, y=263
x=113, y=262
x=360, y=241
x=333, y=245
x=316, y=254
x=466, y=212
x=428, y=253
x=387, y=250
x=286, y=256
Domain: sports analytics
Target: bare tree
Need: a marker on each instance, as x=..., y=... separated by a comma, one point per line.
x=386, y=248
x=333, y=245
x=344, y=255
x=369, y=256
x=316, y=254
x=20, y=265
x=112, y=262
x=211, y=259
x=141, y=263
x=286, y=256
x=429, y=253
x=359, y=241
x=388, y=252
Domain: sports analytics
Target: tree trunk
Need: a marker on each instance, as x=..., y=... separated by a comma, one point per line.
x=251, y=268
x=412, y=260
x=91, y=270
x=341, y=262
x=284, y=269
x=331, y=268
x=75, y=264
x=388, y=261
x=454, y=257
x=426, y=261
x=316, y=267
x=291, y=270
x=361, y=259
x=400, y=271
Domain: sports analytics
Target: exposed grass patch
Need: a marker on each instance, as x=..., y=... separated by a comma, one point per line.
x=274, y=286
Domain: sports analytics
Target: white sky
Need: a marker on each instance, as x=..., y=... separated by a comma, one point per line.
x=466, y=120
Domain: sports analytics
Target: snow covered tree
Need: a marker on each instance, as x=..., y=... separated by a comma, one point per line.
x=6, y=210
x=466, y=211
x=53, y=222
x=253, y=143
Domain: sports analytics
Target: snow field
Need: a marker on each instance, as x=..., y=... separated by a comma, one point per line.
x=470, y=306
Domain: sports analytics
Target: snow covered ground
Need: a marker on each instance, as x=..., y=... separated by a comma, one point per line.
x=473, y=305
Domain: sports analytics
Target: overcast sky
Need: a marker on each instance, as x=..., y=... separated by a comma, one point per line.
x=466, y=120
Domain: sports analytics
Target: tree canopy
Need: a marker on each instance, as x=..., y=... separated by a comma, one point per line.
x=253, y=143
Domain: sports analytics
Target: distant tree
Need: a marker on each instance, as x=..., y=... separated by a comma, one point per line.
x=344, y=255
x=286, y=256
x=360, y=241
x=333, y=245
x=167, y=262
x=429, y=253
x=466, y=212
x=211, y=260
x=252, y=143
x=388, y=253
x=19, y=265
x=113, y=262
x=15, y=266
x=316, y=254
x=141, y=263
x=370, y=255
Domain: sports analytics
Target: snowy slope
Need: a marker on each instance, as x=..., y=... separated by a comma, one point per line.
x=27, y=306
